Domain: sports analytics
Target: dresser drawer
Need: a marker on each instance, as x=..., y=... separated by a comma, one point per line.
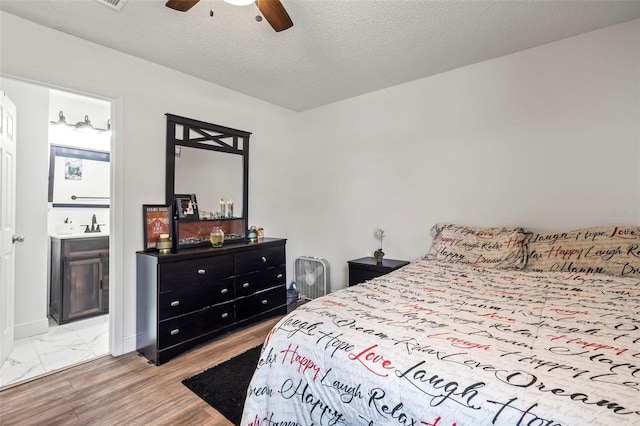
x=251, y=283
x=208, y=269
x=261, y=302
x=259, y=259
x=180, y=329
x=194, y=297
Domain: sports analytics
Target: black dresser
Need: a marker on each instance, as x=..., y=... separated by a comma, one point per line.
x=189, y=297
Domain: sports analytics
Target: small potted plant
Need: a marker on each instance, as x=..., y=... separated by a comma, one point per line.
x=379, y=254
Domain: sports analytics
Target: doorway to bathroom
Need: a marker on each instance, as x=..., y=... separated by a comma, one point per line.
x=63, y=189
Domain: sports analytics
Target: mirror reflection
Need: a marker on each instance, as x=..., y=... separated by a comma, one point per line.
x=213, y=176
x=212, y=162
x=78, y=177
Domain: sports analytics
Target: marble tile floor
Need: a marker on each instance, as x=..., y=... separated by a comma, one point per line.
x=61, y=346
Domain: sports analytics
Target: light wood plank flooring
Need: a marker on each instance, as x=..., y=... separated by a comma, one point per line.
x=126, y=389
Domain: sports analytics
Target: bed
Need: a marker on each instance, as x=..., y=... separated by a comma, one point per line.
x=495, y=326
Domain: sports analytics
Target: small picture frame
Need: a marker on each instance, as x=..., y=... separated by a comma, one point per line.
x=186, y=206
x=156, y=219
x=73, y=168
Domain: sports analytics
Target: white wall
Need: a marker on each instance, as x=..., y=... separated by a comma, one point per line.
x=75, y=107
x=142, y=94
x=546, y=138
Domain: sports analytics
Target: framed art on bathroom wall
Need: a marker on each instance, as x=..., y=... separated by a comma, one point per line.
x=157, y=220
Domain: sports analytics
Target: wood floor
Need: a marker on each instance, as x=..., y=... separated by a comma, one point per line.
x=126, y=389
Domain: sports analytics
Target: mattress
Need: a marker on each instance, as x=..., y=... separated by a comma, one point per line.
x=443, y=344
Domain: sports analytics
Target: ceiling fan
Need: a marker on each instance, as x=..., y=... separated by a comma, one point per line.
x=272, y=10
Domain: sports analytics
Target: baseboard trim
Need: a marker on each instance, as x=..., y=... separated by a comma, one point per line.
x=29, y=329
x=128, y=345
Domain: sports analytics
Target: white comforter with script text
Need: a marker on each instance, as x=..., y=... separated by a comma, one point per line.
x=438, y=344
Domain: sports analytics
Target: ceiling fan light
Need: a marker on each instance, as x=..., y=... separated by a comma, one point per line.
x=240, y=2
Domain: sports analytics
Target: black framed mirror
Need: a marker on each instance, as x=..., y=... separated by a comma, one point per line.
x=212, y=162
x=78, y=177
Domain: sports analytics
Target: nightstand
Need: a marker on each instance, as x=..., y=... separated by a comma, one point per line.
x=366, y=268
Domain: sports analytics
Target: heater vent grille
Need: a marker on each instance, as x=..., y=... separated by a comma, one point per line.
x=113, y=4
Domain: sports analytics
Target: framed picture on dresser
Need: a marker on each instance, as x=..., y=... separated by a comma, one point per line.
x=186, y=206
x=157, y=219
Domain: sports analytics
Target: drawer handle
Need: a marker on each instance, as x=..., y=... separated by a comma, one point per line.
x=265, y=301
x=175, y=303
x=224, y=291
x=279, y=276
x=174, y=332
x=245, y=285
x=202, y=271
x=264, y=259
x=225, y=315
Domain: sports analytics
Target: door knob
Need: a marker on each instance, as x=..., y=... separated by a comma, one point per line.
x=18, y=238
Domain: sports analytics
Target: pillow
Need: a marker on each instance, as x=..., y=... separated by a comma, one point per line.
x=501, y=248
x=612, y=250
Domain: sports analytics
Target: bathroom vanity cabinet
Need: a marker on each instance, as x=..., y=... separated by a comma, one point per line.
x=79, y=282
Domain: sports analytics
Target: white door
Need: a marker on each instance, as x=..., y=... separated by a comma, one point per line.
x=7, y=222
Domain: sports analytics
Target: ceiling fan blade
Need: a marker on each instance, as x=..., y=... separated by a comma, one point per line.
x=181, y=5
x=275, y=13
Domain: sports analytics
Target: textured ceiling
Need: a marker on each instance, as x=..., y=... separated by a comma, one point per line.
x=335, y=50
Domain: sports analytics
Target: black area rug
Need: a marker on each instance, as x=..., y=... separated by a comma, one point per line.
x=224, y=386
